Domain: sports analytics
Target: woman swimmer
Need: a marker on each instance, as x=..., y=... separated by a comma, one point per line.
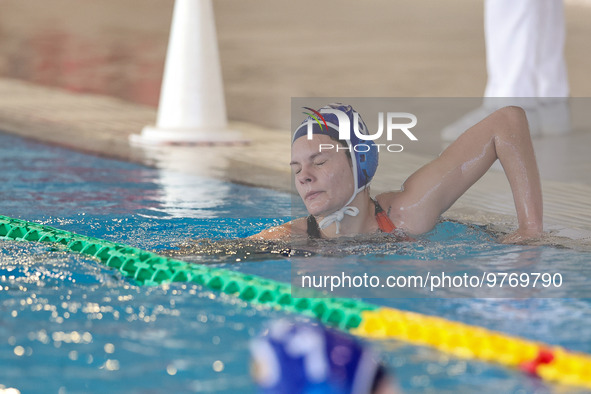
x=334, y=184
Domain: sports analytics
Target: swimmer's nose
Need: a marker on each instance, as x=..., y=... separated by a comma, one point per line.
x=305, y=176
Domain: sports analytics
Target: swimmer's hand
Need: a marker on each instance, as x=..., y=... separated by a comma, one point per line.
x=522, y=236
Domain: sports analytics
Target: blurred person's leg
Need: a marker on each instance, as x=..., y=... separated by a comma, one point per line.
x=525, y=60
x=551, y=72
x=513, y=41
x=511, y=32
x=552, y=75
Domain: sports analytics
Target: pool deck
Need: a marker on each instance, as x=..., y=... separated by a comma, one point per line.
x=102, y=125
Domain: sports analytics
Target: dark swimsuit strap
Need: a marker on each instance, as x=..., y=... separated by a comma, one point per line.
x=313, y=229
x=384, y=222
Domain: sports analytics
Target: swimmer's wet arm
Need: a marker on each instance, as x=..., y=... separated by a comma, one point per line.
x=516, y=153
x=513, y=147
x=503, y=135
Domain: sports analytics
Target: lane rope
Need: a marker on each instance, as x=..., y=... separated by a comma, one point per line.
x=551, y=363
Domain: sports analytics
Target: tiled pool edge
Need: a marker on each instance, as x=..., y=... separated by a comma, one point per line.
x=102, y=125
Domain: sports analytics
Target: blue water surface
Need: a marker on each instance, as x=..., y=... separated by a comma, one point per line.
x=78, y=326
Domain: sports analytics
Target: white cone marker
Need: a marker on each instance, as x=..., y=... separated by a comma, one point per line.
x=192, y=108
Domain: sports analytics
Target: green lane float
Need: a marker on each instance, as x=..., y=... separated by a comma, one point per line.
x=148, y=268
x=551, y=363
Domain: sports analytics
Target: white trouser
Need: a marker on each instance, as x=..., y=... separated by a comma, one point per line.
x=525, y=48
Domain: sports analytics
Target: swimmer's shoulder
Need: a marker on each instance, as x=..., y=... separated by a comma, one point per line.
x=389, y=201
x=297, y=227
x=394, y=203
x=404, y=211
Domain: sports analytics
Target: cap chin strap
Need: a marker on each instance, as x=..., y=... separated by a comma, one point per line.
x=337, y=216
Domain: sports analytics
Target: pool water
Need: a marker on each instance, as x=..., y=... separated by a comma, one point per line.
x=77, y=326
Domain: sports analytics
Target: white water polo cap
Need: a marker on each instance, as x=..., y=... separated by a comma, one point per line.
x=364, y=155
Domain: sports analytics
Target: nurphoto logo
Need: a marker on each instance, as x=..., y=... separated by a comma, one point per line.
x=392, y=120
